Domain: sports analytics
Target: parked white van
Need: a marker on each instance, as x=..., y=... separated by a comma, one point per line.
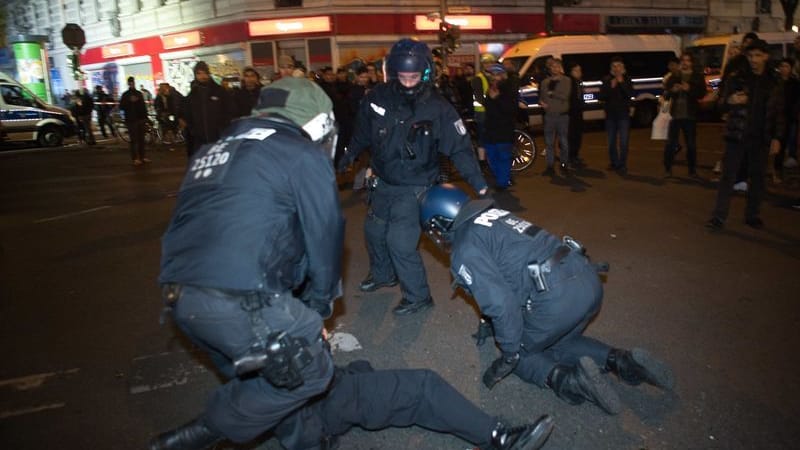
x=26, y=117
x=712, y=53
x=645, y=57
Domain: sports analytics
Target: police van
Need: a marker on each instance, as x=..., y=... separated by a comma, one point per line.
x=712, y=53
x=645, y=57
x=25, y=117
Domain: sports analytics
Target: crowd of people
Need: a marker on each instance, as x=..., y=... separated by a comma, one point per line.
x=252, y=266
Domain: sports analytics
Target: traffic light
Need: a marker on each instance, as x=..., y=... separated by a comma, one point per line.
x=75, y=65
x=449, y=36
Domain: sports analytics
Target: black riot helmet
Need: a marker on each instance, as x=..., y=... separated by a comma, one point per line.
x=409, y=55
x=438, y=207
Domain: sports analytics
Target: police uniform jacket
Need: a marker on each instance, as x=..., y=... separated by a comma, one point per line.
x=257, y=211
x=491, y=249
x=406, y=136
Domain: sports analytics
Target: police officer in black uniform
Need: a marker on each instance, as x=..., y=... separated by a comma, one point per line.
x=247, y=231
x=406, y=125
x=539, y=293
x=377, y=399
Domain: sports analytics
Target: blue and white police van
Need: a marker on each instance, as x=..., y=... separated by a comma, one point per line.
x=645, y=57
x=26, y=117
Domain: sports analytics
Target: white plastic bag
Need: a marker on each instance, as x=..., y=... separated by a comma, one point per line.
x=661, y=123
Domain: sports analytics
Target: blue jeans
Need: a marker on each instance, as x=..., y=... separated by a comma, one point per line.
x=499, y=155
x=618, y=126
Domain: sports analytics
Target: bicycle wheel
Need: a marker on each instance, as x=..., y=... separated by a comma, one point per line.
x=524, y=151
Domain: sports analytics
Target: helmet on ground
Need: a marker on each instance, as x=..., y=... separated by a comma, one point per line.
x=409, y=55
x=305, y=104
x=439, y=206
x=488, y=58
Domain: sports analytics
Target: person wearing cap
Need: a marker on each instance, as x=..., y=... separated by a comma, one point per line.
x=407, y=126
x=134, y=110
x=286, y=67
x=554, y=97
x=207, y=110
x=753, y=99
x=501, y=110
x=247, y=231
x=245, y=97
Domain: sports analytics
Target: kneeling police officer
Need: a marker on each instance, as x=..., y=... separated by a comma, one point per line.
x=538, y=293
x=246, y=232
x=406, y=125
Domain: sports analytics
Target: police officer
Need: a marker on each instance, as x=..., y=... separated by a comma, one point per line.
x=247, y=231
x=377, y=399
x=539, y=294
x=406, y=125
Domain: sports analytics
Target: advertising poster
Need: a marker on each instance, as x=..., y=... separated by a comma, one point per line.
x=30, y=67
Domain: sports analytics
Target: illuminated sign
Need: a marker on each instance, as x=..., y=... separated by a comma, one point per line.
x=475, y=22
x=290, y=26
x=179, y=40
x=117, y=50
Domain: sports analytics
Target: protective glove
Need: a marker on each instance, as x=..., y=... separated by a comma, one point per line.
x=500, y=368
x=485, y=330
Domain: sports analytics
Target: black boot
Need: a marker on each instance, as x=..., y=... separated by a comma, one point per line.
x=195, y=435
x=525, y=437
x=637, y=366
x=584, y=382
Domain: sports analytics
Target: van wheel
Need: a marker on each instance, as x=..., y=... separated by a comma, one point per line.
x=644, y=113
x=50, y=136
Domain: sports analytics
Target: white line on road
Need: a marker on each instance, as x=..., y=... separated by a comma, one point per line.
x=34, y=409
x=77, y=213
x=34, y=381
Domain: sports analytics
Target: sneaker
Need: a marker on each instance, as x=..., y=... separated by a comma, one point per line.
x=525, y=437
x=622, y=171
x=369, y=284
x=740, y=186
x=715, y=224
x=790, y=163
x=754, y=222
x=407, y=307
x=549, y=171
x=137, y=162
x=718, y=167
x=668, y=173
x=564, y=169
x=146, y=160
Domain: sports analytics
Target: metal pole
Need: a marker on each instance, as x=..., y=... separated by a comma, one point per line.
x=442, y=12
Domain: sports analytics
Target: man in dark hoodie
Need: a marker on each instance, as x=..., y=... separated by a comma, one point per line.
x=246, y=97
x=207, y=109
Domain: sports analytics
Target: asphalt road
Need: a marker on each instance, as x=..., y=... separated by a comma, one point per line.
x=86, y=364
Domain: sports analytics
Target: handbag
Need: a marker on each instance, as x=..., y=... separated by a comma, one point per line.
x=660, y=128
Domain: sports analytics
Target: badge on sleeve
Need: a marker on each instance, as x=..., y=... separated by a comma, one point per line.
x=460, y=128
x=465, y=275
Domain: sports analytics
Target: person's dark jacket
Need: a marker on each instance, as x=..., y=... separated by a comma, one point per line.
x=87, y=104
x=763, y=117
x=207, y=110
x=491, y=249
x=258, y=215
x=245, y=99
x=616, y=100
x=167, y=105
x=576, y=103
x=354, y=97
x=464, y=89
x=501, y=114
x=132, y=105
x=404, y=157
x=103, y=103
x=697, y=90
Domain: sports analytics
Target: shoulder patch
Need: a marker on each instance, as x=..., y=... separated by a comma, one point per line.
x=465, y=275
x=460, y=128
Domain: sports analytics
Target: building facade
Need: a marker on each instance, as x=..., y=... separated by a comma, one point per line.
x=161, y=40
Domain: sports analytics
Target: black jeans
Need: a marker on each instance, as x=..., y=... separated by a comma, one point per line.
x=755, y=153
x=136, y=133
x=689, y=129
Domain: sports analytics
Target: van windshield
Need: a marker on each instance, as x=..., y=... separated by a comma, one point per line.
x=709, y=57
x=516, y=61
x=15, y=95
x=596, y=66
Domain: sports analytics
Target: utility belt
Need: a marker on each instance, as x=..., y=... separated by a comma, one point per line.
x=276, y=355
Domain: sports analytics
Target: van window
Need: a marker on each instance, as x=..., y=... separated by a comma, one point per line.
x=637, y=64
x=709, y=57
x=537, y=70
x=14, y=95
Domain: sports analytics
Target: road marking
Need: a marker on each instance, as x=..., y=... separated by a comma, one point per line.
x=77, y=213
x=31, y=410
x=33, y=381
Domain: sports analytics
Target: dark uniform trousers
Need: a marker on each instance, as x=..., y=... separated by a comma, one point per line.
x=755, y=154
x=555, y=322
x=392, y=233
x=375, y=400
x=242, y=409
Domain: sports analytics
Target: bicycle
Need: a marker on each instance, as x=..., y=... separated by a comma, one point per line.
x=154, y=131
x=524, y=146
